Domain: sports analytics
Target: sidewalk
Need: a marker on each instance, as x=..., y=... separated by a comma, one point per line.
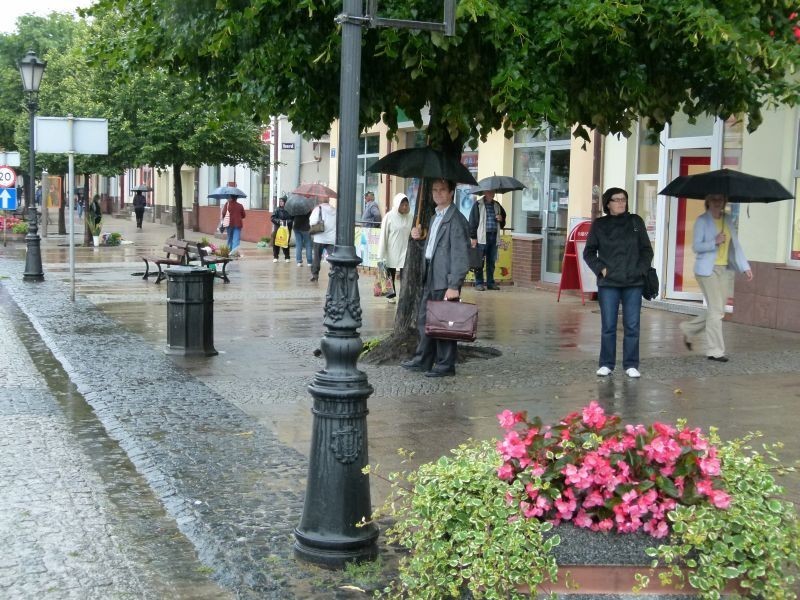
x=232, y=432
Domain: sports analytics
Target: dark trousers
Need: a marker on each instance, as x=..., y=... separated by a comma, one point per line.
x=139, y=216
x=276, y=250
x=610, y=299
x=489, y=252
x=317, y=256
x=392, y=273
x=433, y=353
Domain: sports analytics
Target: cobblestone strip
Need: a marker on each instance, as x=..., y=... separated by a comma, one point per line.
x=229, y=484
x=56, y=524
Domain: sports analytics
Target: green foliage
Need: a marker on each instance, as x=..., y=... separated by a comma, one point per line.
x=114, y=239
x=756, y=540
x=223, y=251
x=369, y=345
x=453, y=516
x=511, y=63
x=20, y=227
x=94, y=228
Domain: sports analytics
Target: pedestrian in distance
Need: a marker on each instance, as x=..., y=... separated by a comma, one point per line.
x=302, y=239
x=138, y=207
x=236, y=215
x=395, y=229
x=325, y=239
x=486, y=220
x=95, y=213
x=281, y=217
x=371, y=217
x=718, y=256
x=618, y=251
x=445, y=265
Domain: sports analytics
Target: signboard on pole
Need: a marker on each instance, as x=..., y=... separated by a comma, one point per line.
x=9, y=158
x=575, y=273
x=8, y=199
x=8, y=177
x=89, y=136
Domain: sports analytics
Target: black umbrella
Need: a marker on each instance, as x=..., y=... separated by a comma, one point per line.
x=735, y=186
x=226, y=191
x=299, y=205
x=141, y=188
x=498, y=183
x=423, y=162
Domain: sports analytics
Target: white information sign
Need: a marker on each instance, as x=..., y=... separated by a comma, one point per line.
x=10, y=159
x=89, y=136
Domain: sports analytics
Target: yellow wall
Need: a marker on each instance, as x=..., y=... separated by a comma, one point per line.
x=581, y=160
x=764, y=229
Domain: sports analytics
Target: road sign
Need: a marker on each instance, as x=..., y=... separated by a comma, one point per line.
x=8, y=199
x=8, y=177
x=10, y=159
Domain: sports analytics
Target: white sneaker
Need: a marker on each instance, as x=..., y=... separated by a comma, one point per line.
x=604, y=371
x=274, y=260
x=285, y=260
x=633, y=373
x=299, y=264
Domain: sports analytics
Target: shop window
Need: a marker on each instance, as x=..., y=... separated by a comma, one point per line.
x=682, y=128
x=213, y=182
x=369, y=146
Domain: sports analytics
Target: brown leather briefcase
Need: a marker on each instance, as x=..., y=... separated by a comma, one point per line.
x=451, y=320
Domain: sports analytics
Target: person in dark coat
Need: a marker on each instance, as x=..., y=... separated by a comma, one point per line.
x=302, y=239
x=138, y=207
x=281, y=217
x=618, y=251
x=445, y=265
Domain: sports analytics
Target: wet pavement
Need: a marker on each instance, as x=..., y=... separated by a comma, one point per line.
x=222, y=442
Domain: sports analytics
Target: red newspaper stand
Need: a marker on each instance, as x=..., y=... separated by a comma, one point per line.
x=575, y=273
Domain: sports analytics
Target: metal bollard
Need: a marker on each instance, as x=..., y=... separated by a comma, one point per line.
x=190, y=312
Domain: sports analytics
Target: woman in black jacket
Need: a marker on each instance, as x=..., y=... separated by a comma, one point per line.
x=618, y=250
x=280, y=217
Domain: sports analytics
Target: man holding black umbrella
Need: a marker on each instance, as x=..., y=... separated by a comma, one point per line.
x=445, y=267
x=139, y=203
x=486, y=219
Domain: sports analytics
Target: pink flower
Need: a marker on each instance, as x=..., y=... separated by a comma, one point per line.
x=506, y=472
x=658, y=529
x=704, y=487
x=594, y=498
x=582, y=519
x=663, y=429
x=594, y=416
x=605, y=525
x=709, y=466
x=508, y=419
x=720, y=499
x=512, y=446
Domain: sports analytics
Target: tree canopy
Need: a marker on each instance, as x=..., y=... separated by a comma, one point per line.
x=512, y=63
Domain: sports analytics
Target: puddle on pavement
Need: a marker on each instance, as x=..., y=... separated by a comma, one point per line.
x=163, y=556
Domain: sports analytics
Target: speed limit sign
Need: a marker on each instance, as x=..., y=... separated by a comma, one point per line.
x=8, y=178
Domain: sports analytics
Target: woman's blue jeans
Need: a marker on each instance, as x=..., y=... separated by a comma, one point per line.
x=631, y=299
x=234, y=234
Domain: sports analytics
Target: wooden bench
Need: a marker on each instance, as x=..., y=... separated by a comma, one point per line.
x=177, y=254
x=207, y=260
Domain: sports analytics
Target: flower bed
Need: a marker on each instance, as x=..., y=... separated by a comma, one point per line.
x=707, y=514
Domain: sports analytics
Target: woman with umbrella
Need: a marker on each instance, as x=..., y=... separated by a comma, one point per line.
x=139, y=203
x=235, y=215
x=718, y=255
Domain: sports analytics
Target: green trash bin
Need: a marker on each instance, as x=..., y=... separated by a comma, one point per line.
x=190, y=312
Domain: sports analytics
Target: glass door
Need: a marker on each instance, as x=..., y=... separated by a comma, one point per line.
x=683, y=212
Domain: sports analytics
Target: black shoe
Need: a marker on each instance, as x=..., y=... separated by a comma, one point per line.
x=314, y=278
x=412, y=365
x=438, y=373
x=492, y=286
x=687, y=343
x=390, y=296
x=719, y=358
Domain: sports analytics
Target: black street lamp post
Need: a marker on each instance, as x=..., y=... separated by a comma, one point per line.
x=31, y=69
x=335, y=527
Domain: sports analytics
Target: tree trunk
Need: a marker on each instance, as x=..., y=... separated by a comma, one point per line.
x=178, y=215
x=62, y=221
x=87, y=233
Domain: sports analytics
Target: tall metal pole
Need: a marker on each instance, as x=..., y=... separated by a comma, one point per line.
x=337, y=492
x=33, y=258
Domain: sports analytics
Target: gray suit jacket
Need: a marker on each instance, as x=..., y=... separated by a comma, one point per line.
x=450, y=261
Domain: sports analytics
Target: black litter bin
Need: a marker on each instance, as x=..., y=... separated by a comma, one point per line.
x=190, y=312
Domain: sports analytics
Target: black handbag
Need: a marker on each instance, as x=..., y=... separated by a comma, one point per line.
x=451, y=320
x=650, y=289
x=475, y=257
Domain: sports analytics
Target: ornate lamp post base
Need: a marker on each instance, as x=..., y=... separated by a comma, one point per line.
x=33, y=259
x=337, y=492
